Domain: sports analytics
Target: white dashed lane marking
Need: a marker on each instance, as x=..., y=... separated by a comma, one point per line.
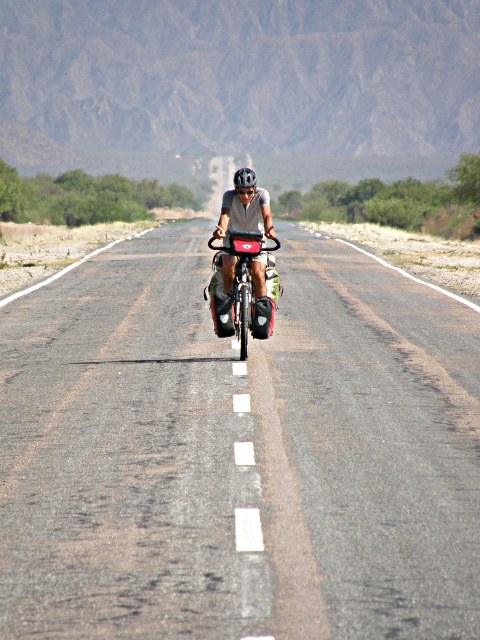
x=248, y=526
x=239, y=368
x=241, y=403
x=248, y=530
x=244, y=454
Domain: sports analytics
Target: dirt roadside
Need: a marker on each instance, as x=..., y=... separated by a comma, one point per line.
x=30, y=253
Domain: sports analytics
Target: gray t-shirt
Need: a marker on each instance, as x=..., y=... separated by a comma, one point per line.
x=245, y=219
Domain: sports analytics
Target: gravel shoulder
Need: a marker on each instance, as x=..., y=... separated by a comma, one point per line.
x=30, y=253
x=452, y=264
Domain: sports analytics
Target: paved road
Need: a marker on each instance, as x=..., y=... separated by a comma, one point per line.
x=151, y=488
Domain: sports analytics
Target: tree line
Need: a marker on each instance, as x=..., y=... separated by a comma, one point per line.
x=75, y=198
x=449, y=209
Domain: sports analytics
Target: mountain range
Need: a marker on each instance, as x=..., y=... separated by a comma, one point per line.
x=138, y=85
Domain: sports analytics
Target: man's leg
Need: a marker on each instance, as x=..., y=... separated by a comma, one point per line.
x=228, y=271
x=258, y=274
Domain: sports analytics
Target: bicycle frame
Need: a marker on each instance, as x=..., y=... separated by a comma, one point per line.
x=243, y=295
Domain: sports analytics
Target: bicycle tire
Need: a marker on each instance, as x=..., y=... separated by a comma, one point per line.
x=244, y=318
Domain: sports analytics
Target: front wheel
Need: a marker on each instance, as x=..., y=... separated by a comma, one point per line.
x=244, y=321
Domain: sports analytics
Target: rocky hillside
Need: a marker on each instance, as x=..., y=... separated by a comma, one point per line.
x=86, y=81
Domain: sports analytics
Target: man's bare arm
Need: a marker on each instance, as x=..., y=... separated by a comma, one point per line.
x=268, y=221
x=221, y=228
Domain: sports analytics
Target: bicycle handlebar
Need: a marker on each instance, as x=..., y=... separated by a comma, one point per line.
x=276, y=247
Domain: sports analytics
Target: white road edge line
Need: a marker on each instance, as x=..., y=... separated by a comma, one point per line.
x=435, y=287
x=59, y=274
x=248, y=530
x=241, y=403
x=244, y=454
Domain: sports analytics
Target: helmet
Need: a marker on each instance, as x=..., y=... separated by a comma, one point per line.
x=245, y=177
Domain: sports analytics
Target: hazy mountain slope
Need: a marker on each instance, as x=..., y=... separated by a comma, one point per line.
x=312, y=77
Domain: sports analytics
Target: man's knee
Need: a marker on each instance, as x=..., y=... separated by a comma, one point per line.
x=258, y=268
x=228, y=261
x=228, y=266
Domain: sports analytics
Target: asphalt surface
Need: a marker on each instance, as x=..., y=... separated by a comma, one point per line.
x=120, y=491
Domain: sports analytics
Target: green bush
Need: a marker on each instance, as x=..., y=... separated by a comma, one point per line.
x=76, y=180
x=290, y=203
x=322, y=211
x=466, y=178
x=432, y=193
x=332, y=190
x=75, y=211
x=151, y=193
x=115, y=188
x=355, y=198
x=75, y=198
x=454, y=222
x=404, y=213
x=179, y=196
x=405, y=204
x=11, y=193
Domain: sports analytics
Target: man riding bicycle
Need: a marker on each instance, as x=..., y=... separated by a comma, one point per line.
x=245, y=208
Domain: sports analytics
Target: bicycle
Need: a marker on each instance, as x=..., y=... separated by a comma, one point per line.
x=244, y=245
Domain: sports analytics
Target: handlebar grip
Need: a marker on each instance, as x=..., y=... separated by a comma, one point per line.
x=276, y=247
x=212, y=246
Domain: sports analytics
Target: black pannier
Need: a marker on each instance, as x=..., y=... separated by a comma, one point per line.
x=221, y=304
x=263, y=318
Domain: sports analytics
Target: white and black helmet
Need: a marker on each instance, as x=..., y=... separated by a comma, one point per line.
x=244, y=177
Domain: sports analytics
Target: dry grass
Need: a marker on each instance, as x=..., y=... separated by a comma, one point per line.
x=18, y=236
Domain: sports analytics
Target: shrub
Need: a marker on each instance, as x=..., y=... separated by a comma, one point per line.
x=321, y=210
x=75, y=198
x=466, y=178
x=454, y=222
x=76, y=180
x=114, y=188
x=180, y=196
x=290, y=202
x=404, y=213
x=332, y=190
x=11, y=193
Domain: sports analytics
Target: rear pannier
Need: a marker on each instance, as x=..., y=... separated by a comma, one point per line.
x=274, y=288
x=221, y=304
x=263, y=318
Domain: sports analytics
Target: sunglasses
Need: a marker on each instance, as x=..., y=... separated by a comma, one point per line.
x=242, y=192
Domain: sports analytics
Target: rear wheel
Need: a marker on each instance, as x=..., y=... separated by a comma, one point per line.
x=244, y=321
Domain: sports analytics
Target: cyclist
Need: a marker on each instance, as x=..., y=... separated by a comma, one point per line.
x=245, y=208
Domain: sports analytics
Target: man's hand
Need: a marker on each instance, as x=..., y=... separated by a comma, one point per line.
x=219, y=232
x=270, y=232
x=222, y=226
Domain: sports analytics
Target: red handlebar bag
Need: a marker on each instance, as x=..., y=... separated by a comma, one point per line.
x=249, y=246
